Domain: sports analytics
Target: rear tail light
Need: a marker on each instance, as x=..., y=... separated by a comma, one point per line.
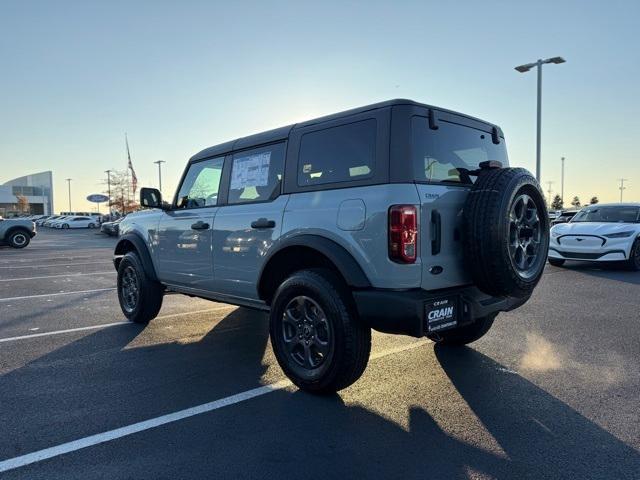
x=403, y=233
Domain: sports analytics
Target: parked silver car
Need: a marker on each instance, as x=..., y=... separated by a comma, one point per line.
x=397, y=216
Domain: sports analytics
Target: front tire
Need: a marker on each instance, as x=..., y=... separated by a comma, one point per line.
x=65, y=226
x=556, y=262
x=458, y=337
x=633, y=263
x=318, y=340
x=140, y=297
x=19, y=239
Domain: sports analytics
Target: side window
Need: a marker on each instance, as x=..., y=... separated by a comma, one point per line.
x=256, y=174
x=201, y=184
x=337, y=154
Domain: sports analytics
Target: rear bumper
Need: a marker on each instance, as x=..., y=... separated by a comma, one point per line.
x=403, y=312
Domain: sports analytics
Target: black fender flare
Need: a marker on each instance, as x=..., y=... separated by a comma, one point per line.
x=336, y=253
x=141, y=248
x=17, y=228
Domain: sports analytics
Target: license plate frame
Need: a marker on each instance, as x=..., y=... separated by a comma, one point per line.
x=441, y=314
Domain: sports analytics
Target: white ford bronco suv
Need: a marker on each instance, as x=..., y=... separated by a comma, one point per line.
x=399, y=217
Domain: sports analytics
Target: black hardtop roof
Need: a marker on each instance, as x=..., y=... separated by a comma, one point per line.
x=283, y=132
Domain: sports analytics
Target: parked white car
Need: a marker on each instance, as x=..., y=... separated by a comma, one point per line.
x=76, y=222
x=599, y=233
x=52, y=221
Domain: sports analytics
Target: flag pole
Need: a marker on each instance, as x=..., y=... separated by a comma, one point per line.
x=126, y=141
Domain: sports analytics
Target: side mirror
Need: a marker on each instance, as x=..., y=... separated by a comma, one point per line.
x=151, y=198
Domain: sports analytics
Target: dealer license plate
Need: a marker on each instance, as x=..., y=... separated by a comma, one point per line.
x=441, y=314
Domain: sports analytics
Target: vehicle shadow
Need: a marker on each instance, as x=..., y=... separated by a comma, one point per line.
x=609, y=271
x=104, y=381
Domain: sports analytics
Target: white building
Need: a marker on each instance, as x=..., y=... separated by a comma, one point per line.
x=29, y=194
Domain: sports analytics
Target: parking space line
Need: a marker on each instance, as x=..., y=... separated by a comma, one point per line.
x=59, y=265
x=56, y=276
x=106, y=325
x=110, y=435
x=10, y=299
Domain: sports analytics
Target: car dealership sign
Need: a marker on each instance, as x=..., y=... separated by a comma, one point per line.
x=97, y=198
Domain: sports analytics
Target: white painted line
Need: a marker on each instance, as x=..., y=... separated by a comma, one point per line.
x=104, y=325
x=68, y=330
x=32, y=258
x=103, y=437
x=58, y=265
x=57, y=276
x=9, y=299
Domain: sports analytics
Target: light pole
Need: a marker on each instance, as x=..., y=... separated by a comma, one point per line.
x=69, y=185
x=526, y=68
x=622, y=187
x=159, y=163
x=108, y=172
x=562, y=181
x=550, y=192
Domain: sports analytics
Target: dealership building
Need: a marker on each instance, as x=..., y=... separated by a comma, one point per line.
x=31, y=194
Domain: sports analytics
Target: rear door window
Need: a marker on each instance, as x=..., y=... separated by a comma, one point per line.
x=446, y=154
x=338, y=154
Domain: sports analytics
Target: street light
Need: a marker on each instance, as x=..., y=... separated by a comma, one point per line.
x=69, y=184
x=108, y=172
x=526, y=68
x=159, y=163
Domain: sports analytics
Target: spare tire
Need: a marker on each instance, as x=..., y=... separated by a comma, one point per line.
x=506, y=232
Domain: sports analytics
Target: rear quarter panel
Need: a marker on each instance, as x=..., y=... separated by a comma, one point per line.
x=356, y=219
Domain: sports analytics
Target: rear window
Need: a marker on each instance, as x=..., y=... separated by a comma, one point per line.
x=337, y=154
x=443, y=155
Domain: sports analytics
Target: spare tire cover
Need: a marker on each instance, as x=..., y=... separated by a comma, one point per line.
x=506, y=232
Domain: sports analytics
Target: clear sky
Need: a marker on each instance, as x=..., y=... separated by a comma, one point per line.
x=181, y=76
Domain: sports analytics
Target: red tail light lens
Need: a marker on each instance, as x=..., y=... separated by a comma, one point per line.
x=403, y=233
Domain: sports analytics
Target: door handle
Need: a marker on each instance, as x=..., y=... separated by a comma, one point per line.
x=263, y=223
x=200, y=225
x=436, y=235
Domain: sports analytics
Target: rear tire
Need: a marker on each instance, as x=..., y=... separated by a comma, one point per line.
x=556, y=262
x=633, y=263
x=19, y=239
x=458, y=337
x=65, y=226
x=318, y=339
x=140, y=297
x=91, y=225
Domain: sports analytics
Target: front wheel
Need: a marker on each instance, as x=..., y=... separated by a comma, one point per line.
x=634, y=258
x=140, y=297
x=318, y=340
x=65, y=226
x=556, y=262
x=19, y=239
x=458, y=337
x=92, y=225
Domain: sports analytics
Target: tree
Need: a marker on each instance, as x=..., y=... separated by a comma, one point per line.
x=23, y=204
x=122, y=198
x=557, y=203
x=594, y=200
x=575, y=202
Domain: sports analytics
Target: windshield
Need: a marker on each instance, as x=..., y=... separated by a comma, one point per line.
x=608, y=215
x=444, y=154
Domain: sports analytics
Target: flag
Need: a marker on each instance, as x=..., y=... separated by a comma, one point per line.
x=134, y=179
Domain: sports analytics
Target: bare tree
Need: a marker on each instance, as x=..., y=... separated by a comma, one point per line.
x=23, y=204
x=575, y=202
x=122, y=199
x=594, y=200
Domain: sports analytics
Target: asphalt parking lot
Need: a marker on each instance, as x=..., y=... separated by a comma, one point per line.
x=553, y=391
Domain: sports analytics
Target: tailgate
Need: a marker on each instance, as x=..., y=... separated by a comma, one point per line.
x=441, y=236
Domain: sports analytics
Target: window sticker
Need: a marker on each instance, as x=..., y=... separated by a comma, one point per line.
x=251, y=171
x=306, y=168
